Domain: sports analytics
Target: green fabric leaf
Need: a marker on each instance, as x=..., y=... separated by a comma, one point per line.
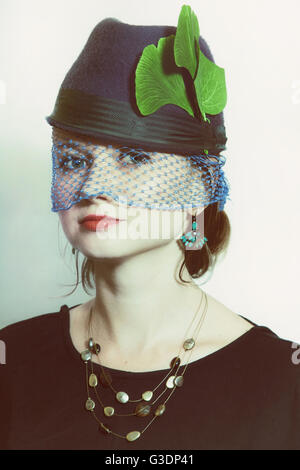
x=158, y=80
x=186, y=41
x=210, y=86
x=159, y=77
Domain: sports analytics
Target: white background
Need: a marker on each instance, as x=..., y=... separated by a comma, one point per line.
x=258, y=44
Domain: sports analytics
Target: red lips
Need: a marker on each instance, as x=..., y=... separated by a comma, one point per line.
x=97, y=218
x=98, y=223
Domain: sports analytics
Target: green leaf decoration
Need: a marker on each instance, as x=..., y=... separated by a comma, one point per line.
x=159, y=73
x=210, y=86
x=158, y=80
x=186, y=41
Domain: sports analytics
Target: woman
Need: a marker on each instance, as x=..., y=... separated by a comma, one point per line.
x=157, y=362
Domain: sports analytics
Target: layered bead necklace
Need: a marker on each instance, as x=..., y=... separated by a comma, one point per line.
x=144, y=406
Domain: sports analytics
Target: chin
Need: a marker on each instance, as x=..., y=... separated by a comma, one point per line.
x=104, y=249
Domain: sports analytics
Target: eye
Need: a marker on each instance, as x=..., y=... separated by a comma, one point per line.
x=134, y=157
x=74, y=163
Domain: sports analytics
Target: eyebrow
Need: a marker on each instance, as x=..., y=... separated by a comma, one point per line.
x=74, y=152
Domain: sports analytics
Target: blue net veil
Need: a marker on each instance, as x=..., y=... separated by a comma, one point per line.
x=83, y=168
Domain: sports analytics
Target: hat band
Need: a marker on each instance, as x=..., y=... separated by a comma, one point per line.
x=115, y=121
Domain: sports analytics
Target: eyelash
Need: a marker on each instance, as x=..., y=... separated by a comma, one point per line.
x=64, y=162
x=132, y=155
x=135, y=154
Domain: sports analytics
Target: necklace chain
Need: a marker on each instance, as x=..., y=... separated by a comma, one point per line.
x=143, y=409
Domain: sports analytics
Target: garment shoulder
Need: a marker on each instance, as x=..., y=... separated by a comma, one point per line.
x=295, y=439
x=26, y=339
x=271, y=339
x=269, y=346
x=272, y=378
x=275, y=359
x=37, y=322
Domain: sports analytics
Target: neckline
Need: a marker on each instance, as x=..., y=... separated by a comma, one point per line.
x=227, y=348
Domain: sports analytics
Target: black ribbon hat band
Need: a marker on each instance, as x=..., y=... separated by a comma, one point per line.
x=115, y=121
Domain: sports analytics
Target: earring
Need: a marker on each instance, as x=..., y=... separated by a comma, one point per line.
x=73, y=250
x=190, y=239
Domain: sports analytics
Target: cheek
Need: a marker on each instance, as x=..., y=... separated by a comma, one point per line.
x=180, y=222
x=173, y=223
x=68, y=224
x=151, y=224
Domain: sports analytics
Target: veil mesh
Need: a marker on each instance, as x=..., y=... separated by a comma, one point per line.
x=83, y=168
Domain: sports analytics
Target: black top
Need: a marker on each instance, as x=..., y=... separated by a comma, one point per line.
x=244, y=396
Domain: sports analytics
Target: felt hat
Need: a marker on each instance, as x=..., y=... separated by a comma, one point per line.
x=98, y=95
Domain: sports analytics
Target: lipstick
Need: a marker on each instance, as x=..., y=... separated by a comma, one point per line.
x=95, y=223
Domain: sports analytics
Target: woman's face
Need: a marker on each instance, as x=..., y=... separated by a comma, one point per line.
x=107, y=171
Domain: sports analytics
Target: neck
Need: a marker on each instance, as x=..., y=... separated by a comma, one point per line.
x=139, y=301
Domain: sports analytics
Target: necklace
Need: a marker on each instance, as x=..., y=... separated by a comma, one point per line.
x=171, y=382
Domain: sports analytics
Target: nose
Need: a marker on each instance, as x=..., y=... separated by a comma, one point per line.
x=102, y=197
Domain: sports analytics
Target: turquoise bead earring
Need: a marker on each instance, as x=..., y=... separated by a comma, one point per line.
x=190, y=239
